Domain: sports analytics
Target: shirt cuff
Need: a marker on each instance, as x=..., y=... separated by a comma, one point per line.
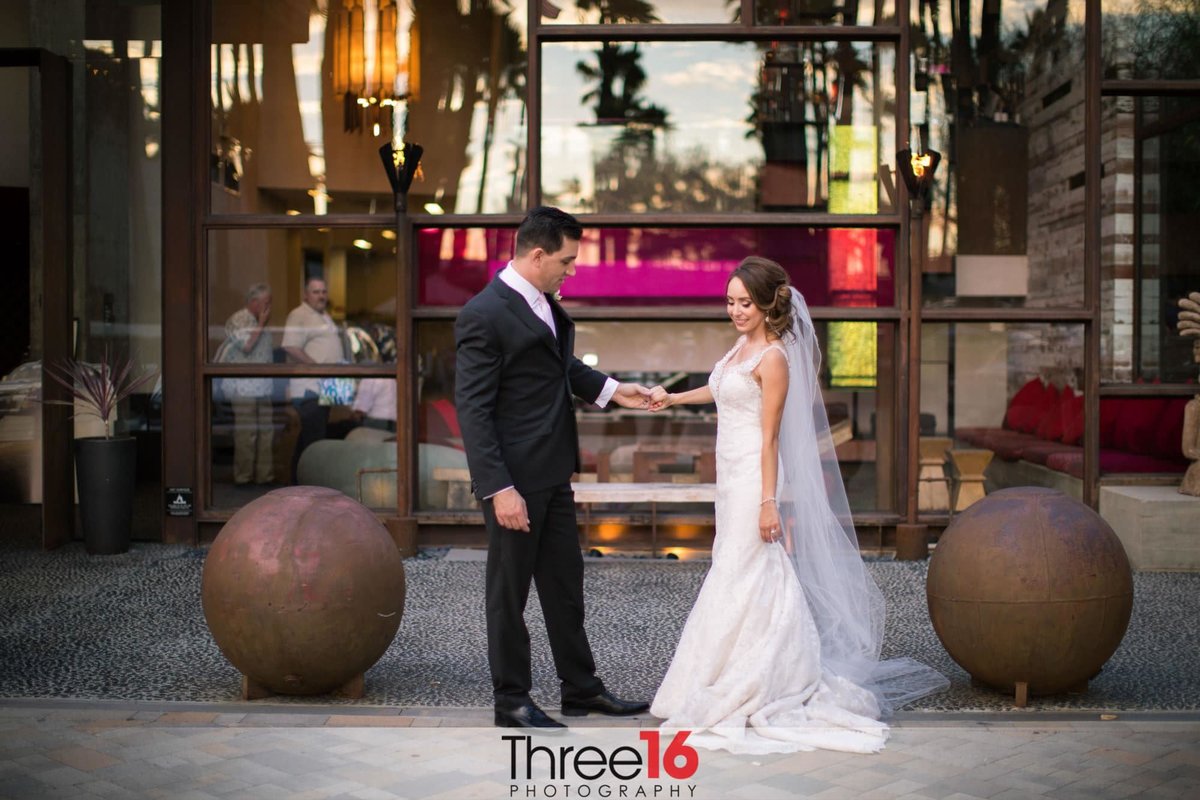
x=493, y=494
x=610, y=388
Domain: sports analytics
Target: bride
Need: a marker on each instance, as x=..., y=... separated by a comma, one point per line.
x=781, y=651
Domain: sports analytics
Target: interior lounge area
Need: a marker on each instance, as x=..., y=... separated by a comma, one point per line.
x=989, y=207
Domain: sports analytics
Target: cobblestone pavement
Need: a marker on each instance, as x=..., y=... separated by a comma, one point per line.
x=111, y=686
x=130, y=627
x=98, y=749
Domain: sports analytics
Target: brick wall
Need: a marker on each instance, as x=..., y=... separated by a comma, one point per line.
x=1053, y=110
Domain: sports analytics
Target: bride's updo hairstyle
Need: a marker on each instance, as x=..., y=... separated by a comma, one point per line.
x=767, y=283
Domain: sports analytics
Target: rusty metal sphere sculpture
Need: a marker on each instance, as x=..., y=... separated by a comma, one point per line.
x=1030, y=591
x=303, y=591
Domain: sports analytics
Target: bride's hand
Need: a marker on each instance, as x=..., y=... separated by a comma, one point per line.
x=769, y=528
x=660, y=399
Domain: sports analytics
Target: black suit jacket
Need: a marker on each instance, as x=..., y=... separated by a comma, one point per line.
x=514, y=388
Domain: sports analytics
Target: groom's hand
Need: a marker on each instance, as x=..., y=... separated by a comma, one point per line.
x=511, y=511
x=631, y=395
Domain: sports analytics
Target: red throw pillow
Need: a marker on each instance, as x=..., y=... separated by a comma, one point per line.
x=1025, y=409
x=1072, y=418
x=1050, y=426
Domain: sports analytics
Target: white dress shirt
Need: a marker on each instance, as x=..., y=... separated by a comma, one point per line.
x=541, y=308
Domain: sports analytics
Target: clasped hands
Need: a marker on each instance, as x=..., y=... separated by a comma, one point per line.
x=634, y=395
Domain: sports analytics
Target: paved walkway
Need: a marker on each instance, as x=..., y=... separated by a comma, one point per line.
x=100, y=749
x=129, y=629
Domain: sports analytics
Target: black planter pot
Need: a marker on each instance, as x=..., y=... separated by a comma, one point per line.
x=105, y=469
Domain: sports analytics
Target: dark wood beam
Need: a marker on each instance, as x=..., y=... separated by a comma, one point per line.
x=184, y=124
x=910, y=263
x=714, y=312
x=58, y=429
x=717, y=32
x=1002, y=314
x=404, y=527
x=1148, y=389
x=1143, y=88
x=1092, y=210
x=533, y=108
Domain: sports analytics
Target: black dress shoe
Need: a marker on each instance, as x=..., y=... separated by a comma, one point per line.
x=526, y=716
x=603, y=703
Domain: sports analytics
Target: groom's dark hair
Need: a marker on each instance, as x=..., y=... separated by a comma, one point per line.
x=545, y=227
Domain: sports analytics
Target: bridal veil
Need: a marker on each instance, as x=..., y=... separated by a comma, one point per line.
x=818, y=534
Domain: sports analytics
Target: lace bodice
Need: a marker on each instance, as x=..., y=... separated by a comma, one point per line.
x=739, y=415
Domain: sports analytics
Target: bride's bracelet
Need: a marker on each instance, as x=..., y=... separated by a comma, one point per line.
x=768, y=500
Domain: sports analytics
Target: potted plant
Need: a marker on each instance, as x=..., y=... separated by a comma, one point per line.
x=104, y=465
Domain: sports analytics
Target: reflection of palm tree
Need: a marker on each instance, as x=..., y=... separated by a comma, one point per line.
x=486, y=61
x=620, y=64
x=616, y=97
x=615, y=65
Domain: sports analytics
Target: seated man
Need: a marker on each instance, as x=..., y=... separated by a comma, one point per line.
x=375, y=404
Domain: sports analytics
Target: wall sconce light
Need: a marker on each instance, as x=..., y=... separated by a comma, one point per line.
x=401, y=164
x=918, y=170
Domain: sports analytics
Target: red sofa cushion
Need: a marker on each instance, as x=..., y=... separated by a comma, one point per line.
x=1072, y=418
x=1051, y=425
x=1168, y=437
x=972, y=435
x=1039, y=452
x=1137, y=425
x=1068, y=462
x=1111, y=409
x=1007, y=445
x=1115, y=461
x=1026, y=408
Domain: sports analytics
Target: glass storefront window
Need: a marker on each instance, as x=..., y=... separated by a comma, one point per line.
x=620, y=445
x=263, y=437
x=1012, y=393
x=842, y=267
x=357, y=265
x=690, y=127
x=1003, y=398
x=970, y=372
x=1150, y=39
x=615, y=12
x=824, y=12
x=114, y=207
x=1004, y=225
x=299, y=113
x=1151, y=236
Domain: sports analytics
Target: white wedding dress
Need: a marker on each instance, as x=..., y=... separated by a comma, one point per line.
x=748, y=676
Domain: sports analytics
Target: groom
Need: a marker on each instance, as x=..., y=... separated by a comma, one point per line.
x=516, y=375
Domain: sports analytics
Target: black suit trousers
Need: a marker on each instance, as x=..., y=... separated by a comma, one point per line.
x=549, y=556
